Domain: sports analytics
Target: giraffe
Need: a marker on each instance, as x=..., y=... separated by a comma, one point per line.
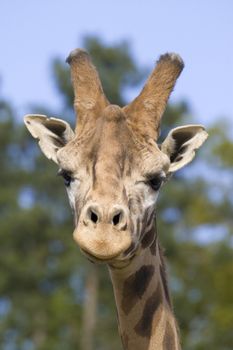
x=113, y=170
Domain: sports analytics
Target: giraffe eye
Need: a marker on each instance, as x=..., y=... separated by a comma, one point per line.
x=66, y=176
x=155, y=182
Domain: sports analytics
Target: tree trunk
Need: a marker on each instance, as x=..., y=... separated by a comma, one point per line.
x=90, y=309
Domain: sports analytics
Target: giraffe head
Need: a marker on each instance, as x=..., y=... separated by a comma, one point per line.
x=111, y=164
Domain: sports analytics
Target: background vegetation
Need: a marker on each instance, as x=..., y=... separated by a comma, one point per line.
x=47, y=287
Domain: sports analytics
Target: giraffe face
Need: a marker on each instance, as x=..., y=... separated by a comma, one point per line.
x=112, y=176
x=111, y=164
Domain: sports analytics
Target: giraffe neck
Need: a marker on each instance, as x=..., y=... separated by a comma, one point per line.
x=145, y=316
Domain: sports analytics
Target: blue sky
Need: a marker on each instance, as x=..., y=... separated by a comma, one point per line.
x=201, y=31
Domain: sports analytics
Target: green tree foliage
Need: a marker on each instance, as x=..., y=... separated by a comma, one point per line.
x=38, y=278
x=42, y=274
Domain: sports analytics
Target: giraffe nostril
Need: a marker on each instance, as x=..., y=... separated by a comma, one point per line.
x=116, y=218
x=93, y=217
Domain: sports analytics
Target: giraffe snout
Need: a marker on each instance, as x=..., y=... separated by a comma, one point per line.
x=103, y=232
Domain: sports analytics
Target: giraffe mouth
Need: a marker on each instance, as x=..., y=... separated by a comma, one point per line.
x=102, y=244
x=96, y=259
x=121, y=258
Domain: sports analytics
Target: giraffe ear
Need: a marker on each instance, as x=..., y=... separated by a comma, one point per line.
x=52, y=133
x=181, y=144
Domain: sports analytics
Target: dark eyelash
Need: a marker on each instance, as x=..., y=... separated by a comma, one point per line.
x=67, y=176
x=155, y=181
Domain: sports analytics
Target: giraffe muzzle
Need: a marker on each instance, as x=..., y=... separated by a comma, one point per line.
x=102, y=241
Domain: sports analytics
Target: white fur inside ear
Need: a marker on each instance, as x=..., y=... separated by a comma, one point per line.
x=168, y=145
x=191, y=146
x=188, y=139
x=52, y=133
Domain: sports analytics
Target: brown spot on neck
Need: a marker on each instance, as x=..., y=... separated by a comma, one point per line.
x=144, y=326
x=135, y=286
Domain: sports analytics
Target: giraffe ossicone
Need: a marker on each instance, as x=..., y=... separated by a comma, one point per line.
x=113, y=169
